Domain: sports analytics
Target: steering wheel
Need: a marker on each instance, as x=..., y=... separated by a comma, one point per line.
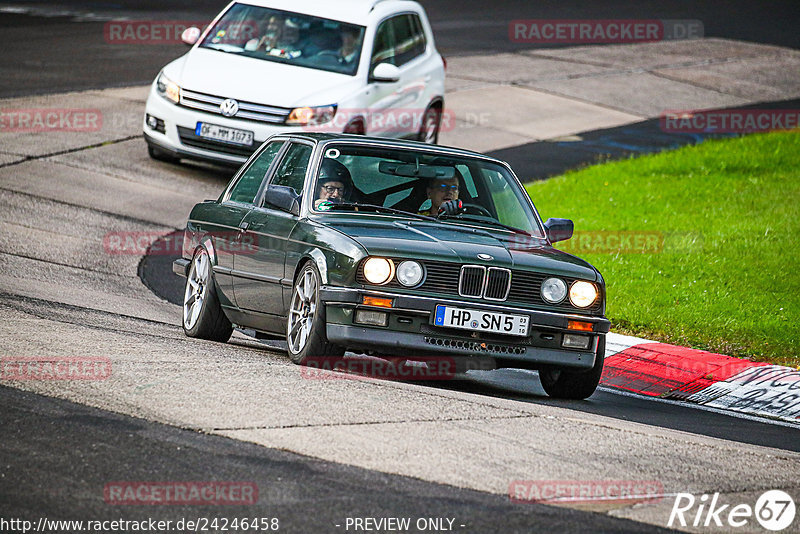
x=477, y=208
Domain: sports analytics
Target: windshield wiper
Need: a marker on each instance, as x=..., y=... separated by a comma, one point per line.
x=492, y=222
x=376, y=207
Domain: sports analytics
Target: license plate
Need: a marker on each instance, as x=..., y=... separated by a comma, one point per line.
x=481, y=321
x=224, y=134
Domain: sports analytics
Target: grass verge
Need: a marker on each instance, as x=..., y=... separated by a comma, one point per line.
x=698, y=246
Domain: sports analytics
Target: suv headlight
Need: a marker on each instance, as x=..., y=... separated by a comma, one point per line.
x=582, y=294
x=311, y=116
x=168, y=89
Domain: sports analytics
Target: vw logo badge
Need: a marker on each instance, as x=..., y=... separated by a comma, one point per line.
x=486, y=257
x=229, y=107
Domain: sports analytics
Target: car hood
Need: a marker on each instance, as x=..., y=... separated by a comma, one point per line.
x=434, y=241
x=261, y=81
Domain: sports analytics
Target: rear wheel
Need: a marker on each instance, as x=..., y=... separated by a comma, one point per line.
x=305, y=327
x=202, y=315
x=565, y=384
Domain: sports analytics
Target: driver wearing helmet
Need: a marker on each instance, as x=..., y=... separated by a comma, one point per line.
x=334, y=183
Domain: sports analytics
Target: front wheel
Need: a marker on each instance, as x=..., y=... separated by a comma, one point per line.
x=202, y=314
x=429, y=129
x=563, y=384
x=305, y=327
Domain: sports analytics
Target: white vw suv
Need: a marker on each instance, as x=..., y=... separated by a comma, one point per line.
x=268, y=66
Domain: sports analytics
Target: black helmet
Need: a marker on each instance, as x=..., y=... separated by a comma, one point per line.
x=333, y=171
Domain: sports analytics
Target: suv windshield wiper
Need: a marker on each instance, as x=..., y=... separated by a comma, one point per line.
x=461, y=217
x=376, y=207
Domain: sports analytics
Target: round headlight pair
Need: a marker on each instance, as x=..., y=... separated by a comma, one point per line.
x=581, y=294
x=381, y=270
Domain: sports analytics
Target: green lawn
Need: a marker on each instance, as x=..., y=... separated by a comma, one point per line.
x=718, y=229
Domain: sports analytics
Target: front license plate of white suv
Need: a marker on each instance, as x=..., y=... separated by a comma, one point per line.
x=224, y=134
x=481, y=321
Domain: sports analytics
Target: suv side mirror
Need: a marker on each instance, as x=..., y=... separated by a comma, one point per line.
x=385, y=73
x=190, y=35
x=283, y=197
x=559, y=229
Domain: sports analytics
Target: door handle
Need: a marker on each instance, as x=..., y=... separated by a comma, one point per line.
x=244, y=226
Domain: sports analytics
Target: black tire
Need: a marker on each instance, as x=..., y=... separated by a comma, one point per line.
x=564, y=384
x=316, y=343
x=211, y=322
x=432, y=115
x=161, y=155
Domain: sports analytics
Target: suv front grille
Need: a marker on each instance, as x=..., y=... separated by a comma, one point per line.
x=247, y=110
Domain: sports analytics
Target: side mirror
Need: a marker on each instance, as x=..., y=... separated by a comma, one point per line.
x=559, y=229
x=283, y=197
x=385, y=73
x=190, y=35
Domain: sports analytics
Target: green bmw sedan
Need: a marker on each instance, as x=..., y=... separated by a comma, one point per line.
x=396, y=248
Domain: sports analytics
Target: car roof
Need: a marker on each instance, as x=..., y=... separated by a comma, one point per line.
x=353, y=11
x=382, y=141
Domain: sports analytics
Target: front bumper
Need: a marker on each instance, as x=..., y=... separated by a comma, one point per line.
x=410, y=330
x=175, y=117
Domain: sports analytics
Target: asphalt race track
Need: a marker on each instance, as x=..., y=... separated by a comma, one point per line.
x=319, y=451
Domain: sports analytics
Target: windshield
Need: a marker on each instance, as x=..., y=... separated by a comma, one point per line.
x=286, y=37
x=422, y=183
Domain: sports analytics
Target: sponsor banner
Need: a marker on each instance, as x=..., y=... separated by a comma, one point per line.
x=139, y=243
x=180, y=493
x=585, y=31
x=729, y=120
x=584, y=491
x=55, y=368
x=37, y=120
x=401, y=369
x=765, y=390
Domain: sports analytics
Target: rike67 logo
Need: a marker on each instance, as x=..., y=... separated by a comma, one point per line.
x=774, y=510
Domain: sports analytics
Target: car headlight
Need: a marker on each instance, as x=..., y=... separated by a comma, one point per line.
x=311, y=116
x=582, y=294
x=554, y=290
x=168, y=89
x=409, y=273
x=378, y=270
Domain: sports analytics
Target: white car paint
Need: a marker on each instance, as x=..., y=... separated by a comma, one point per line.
x=251, y=80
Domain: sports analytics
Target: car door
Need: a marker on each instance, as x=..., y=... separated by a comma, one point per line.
x=237, y=201
x=260, y=271
x=396, y=107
